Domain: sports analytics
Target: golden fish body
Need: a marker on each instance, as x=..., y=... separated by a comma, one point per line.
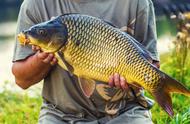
x=97, y=50
x=93, y=50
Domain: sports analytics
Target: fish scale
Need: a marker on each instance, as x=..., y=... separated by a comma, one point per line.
x=90, y=38
x=92, y=49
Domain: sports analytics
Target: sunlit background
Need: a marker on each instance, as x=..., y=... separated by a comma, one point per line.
x=166, y=11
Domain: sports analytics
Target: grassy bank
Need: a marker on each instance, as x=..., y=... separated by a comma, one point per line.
x=22, y=109
x=181, y=109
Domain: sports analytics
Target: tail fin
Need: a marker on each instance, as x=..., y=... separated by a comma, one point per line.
x=162, y=94
x=174, y=86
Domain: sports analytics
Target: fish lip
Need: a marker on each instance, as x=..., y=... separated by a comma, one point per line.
x=23, y=38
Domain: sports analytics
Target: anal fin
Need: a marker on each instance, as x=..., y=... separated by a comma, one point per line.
x=164, y=100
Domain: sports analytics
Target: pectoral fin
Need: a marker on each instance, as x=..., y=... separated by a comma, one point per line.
x=63, y=63
x=60, y=62
x=87, y=85
x=164, y=100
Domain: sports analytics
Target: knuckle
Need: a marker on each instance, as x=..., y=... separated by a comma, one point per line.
x=49, y=58
x=111, y=80
x=54, y=60
x=116, y=75
x=42, y=55
x=123, y=84
x=117, y=83
x=45, y=61
x=110, y=83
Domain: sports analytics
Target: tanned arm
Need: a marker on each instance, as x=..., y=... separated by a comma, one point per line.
x=33, y=69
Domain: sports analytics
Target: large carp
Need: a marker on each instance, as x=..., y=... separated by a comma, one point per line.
x=93, y=50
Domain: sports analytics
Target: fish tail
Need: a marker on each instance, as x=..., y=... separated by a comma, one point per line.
x=162, y=94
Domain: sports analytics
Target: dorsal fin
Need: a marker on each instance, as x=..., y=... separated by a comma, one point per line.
x=69, y=14
x=109, y=23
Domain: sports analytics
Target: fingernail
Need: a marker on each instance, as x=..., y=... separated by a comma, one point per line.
x=116, y=74
x=54, y=59
x=50, y=55
x=122, y=78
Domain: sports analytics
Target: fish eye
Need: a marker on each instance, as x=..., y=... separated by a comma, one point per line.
x=41, y=32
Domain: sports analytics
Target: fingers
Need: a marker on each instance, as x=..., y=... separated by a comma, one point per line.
x=35, y=48
x=156, y=64
x=42, y=55
x=123, y=83
x=47, y=58
x=118, y=81
x=54, y=61
x=111, y=81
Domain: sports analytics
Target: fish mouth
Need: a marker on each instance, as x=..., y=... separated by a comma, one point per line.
x=23, y=39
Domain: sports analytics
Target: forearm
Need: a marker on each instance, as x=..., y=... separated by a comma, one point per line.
x=30, y=71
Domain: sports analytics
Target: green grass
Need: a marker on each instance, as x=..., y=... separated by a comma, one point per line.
x=18, y=109
x=181, y=109
x=22, y=109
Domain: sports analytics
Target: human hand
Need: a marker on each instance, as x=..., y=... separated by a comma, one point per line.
x=47, y=58
x=118, y=81
x=156, y=64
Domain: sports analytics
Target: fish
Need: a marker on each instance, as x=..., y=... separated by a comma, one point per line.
x=93, y=49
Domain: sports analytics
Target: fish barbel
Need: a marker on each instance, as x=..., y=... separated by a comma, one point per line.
x=92, y=49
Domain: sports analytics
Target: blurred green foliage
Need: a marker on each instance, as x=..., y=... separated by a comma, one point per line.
x=166, y=26
x=181, y=104
x=18, y=109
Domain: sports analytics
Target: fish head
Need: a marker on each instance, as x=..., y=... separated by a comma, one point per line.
x=50, y=36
